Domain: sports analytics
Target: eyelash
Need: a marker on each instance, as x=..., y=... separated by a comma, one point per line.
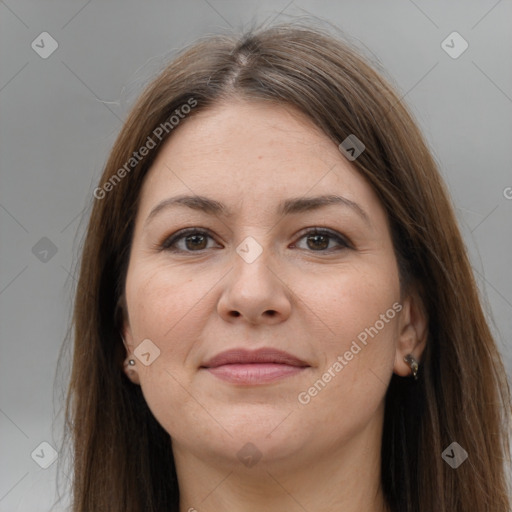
x=167, y=244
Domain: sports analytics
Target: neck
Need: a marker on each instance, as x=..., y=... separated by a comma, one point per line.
x=346, y=477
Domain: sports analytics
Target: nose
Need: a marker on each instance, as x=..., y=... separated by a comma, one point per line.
x=255, y=291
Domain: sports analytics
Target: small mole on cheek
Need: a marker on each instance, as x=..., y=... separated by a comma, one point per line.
x=260, y=157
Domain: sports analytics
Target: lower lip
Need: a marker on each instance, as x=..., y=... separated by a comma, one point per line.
x=258, y=373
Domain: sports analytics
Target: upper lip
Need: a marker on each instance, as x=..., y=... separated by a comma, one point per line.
x=244, y=356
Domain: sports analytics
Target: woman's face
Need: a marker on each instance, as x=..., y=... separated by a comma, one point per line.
x=251, y=274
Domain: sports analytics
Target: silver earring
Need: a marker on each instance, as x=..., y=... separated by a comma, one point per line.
x=409, y=359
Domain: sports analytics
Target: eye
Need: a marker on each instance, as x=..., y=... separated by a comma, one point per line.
x=194, y=239
x=318, y=240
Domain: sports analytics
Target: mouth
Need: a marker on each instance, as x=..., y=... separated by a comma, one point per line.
x=241, y=366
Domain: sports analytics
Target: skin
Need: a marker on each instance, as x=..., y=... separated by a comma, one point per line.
x=309, y=299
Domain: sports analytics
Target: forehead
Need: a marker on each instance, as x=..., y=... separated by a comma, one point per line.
x=252, y=151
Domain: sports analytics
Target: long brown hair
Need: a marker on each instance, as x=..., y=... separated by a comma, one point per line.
x=122, y=457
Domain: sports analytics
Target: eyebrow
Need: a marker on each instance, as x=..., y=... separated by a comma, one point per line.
x=288, y=207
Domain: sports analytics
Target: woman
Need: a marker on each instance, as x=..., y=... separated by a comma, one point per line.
x=275, y=308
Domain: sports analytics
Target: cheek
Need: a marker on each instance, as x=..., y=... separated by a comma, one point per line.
x=166, y=391
x=164, y=304
x=348, y=301
x=359, y=311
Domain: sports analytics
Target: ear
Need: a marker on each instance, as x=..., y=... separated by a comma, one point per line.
x=413, y=333
x=131, y=371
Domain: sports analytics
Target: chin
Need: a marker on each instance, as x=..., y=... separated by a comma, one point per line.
x=255, y=449
x=269, y=433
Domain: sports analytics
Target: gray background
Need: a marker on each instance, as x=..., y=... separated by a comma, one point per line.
x=60, y=116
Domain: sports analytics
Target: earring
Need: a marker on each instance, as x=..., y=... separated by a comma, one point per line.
x=409, y=359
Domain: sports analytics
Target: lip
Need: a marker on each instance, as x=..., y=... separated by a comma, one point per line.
x=262, y=355
x=241, y=366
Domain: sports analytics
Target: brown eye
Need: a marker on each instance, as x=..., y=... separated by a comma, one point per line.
x=318, y=240
x=194, y=240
